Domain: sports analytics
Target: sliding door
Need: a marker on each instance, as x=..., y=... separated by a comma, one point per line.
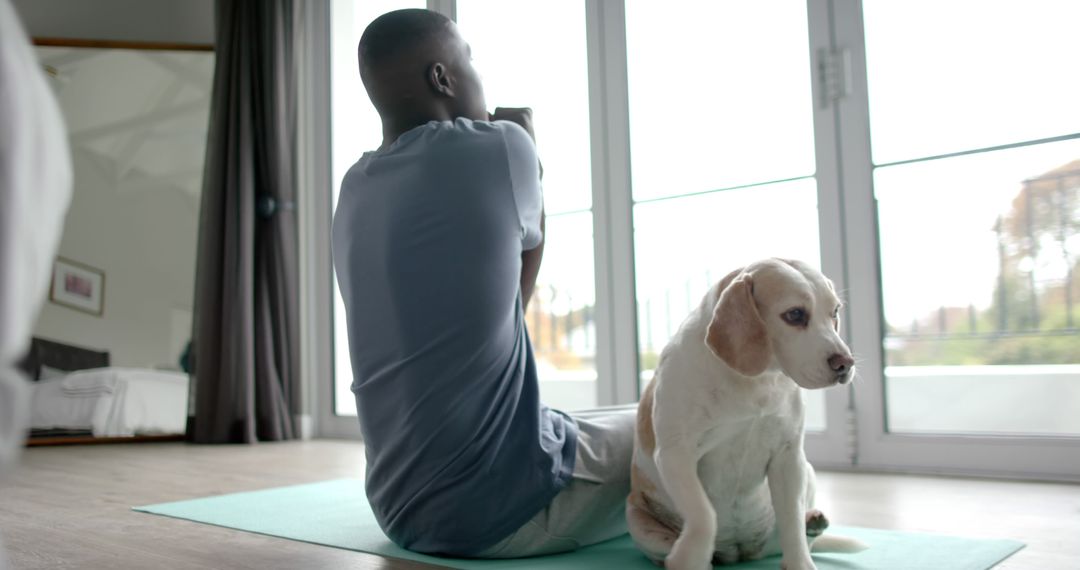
x=522, y=67
x=722, y=140
x=925, y=155
x=355, y=129
x=973, y=178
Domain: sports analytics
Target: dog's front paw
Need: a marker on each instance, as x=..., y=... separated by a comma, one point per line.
x=690, y=554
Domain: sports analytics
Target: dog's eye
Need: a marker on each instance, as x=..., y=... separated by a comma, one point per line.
x=836, y=312
x=796, y=317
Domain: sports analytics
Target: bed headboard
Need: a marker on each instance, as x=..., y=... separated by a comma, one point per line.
x=59, y=355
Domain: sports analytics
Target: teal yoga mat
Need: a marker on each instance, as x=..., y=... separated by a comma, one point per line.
x=336, y=513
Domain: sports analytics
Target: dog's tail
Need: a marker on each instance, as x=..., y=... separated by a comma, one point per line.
x=833, y=543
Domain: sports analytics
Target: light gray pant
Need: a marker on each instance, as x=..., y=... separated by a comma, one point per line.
x=592, y=507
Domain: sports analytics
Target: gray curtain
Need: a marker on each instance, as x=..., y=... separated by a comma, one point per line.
x=245, y=337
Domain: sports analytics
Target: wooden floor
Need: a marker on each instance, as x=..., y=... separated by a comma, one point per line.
x=69, y=507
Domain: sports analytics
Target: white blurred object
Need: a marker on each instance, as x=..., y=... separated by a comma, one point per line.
x=35, y=185
x=35, y=191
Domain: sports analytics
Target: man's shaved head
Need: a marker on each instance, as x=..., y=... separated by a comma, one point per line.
x=417, y=68
x=395, y=34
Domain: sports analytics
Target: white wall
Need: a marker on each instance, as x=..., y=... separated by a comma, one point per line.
x=182, y=21
x=145, y=243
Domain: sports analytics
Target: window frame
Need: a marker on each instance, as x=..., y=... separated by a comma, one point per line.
x=856, y=436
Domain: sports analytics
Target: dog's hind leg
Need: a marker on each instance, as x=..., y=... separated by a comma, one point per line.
x=816, y=523
x=652, y=537
x=811, y=487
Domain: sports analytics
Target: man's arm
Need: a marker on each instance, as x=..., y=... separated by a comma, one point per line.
x=530, y=267
x=530, y=260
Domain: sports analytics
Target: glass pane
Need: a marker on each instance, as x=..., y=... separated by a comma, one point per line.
x=523, y=67
x=686, y=245
x=355, y=129
x=963, y=74
x=814, y=401
x=719, y=94
x=979, y=259
x=561, y=315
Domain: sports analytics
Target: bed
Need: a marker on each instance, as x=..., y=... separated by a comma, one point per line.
x=78, y=397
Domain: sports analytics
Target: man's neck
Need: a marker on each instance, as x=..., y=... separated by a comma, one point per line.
x=394, y=127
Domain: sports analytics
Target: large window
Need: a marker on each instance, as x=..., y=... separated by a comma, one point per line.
x=924, y=154
x=522, y=67
x=355, y=129
x=722, y=148
x=979, y=213
x=519, y=66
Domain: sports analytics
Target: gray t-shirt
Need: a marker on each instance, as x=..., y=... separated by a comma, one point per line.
x=427, y=239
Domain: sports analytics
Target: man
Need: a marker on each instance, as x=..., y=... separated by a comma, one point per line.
x=437, y=240
x=35, y=189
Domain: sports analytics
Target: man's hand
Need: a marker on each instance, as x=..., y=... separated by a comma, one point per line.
x=520, y=115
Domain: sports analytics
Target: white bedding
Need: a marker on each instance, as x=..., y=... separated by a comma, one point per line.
x=112, y=402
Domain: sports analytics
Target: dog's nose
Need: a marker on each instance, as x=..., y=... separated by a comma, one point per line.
x=840, y=363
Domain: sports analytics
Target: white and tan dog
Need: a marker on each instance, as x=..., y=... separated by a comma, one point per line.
x=719, y=474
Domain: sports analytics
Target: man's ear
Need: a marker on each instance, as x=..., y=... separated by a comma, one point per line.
x=439, y=79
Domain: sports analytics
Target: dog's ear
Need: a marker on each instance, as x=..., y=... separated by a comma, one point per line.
x=736, y=333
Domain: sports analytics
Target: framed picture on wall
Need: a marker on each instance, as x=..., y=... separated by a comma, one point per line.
x=78, y=286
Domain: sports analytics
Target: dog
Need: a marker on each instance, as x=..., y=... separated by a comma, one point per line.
x=718, y=473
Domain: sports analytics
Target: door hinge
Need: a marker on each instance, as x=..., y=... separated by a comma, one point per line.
x=834, y=75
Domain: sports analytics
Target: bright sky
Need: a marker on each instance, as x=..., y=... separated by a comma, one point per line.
x=720, y=96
